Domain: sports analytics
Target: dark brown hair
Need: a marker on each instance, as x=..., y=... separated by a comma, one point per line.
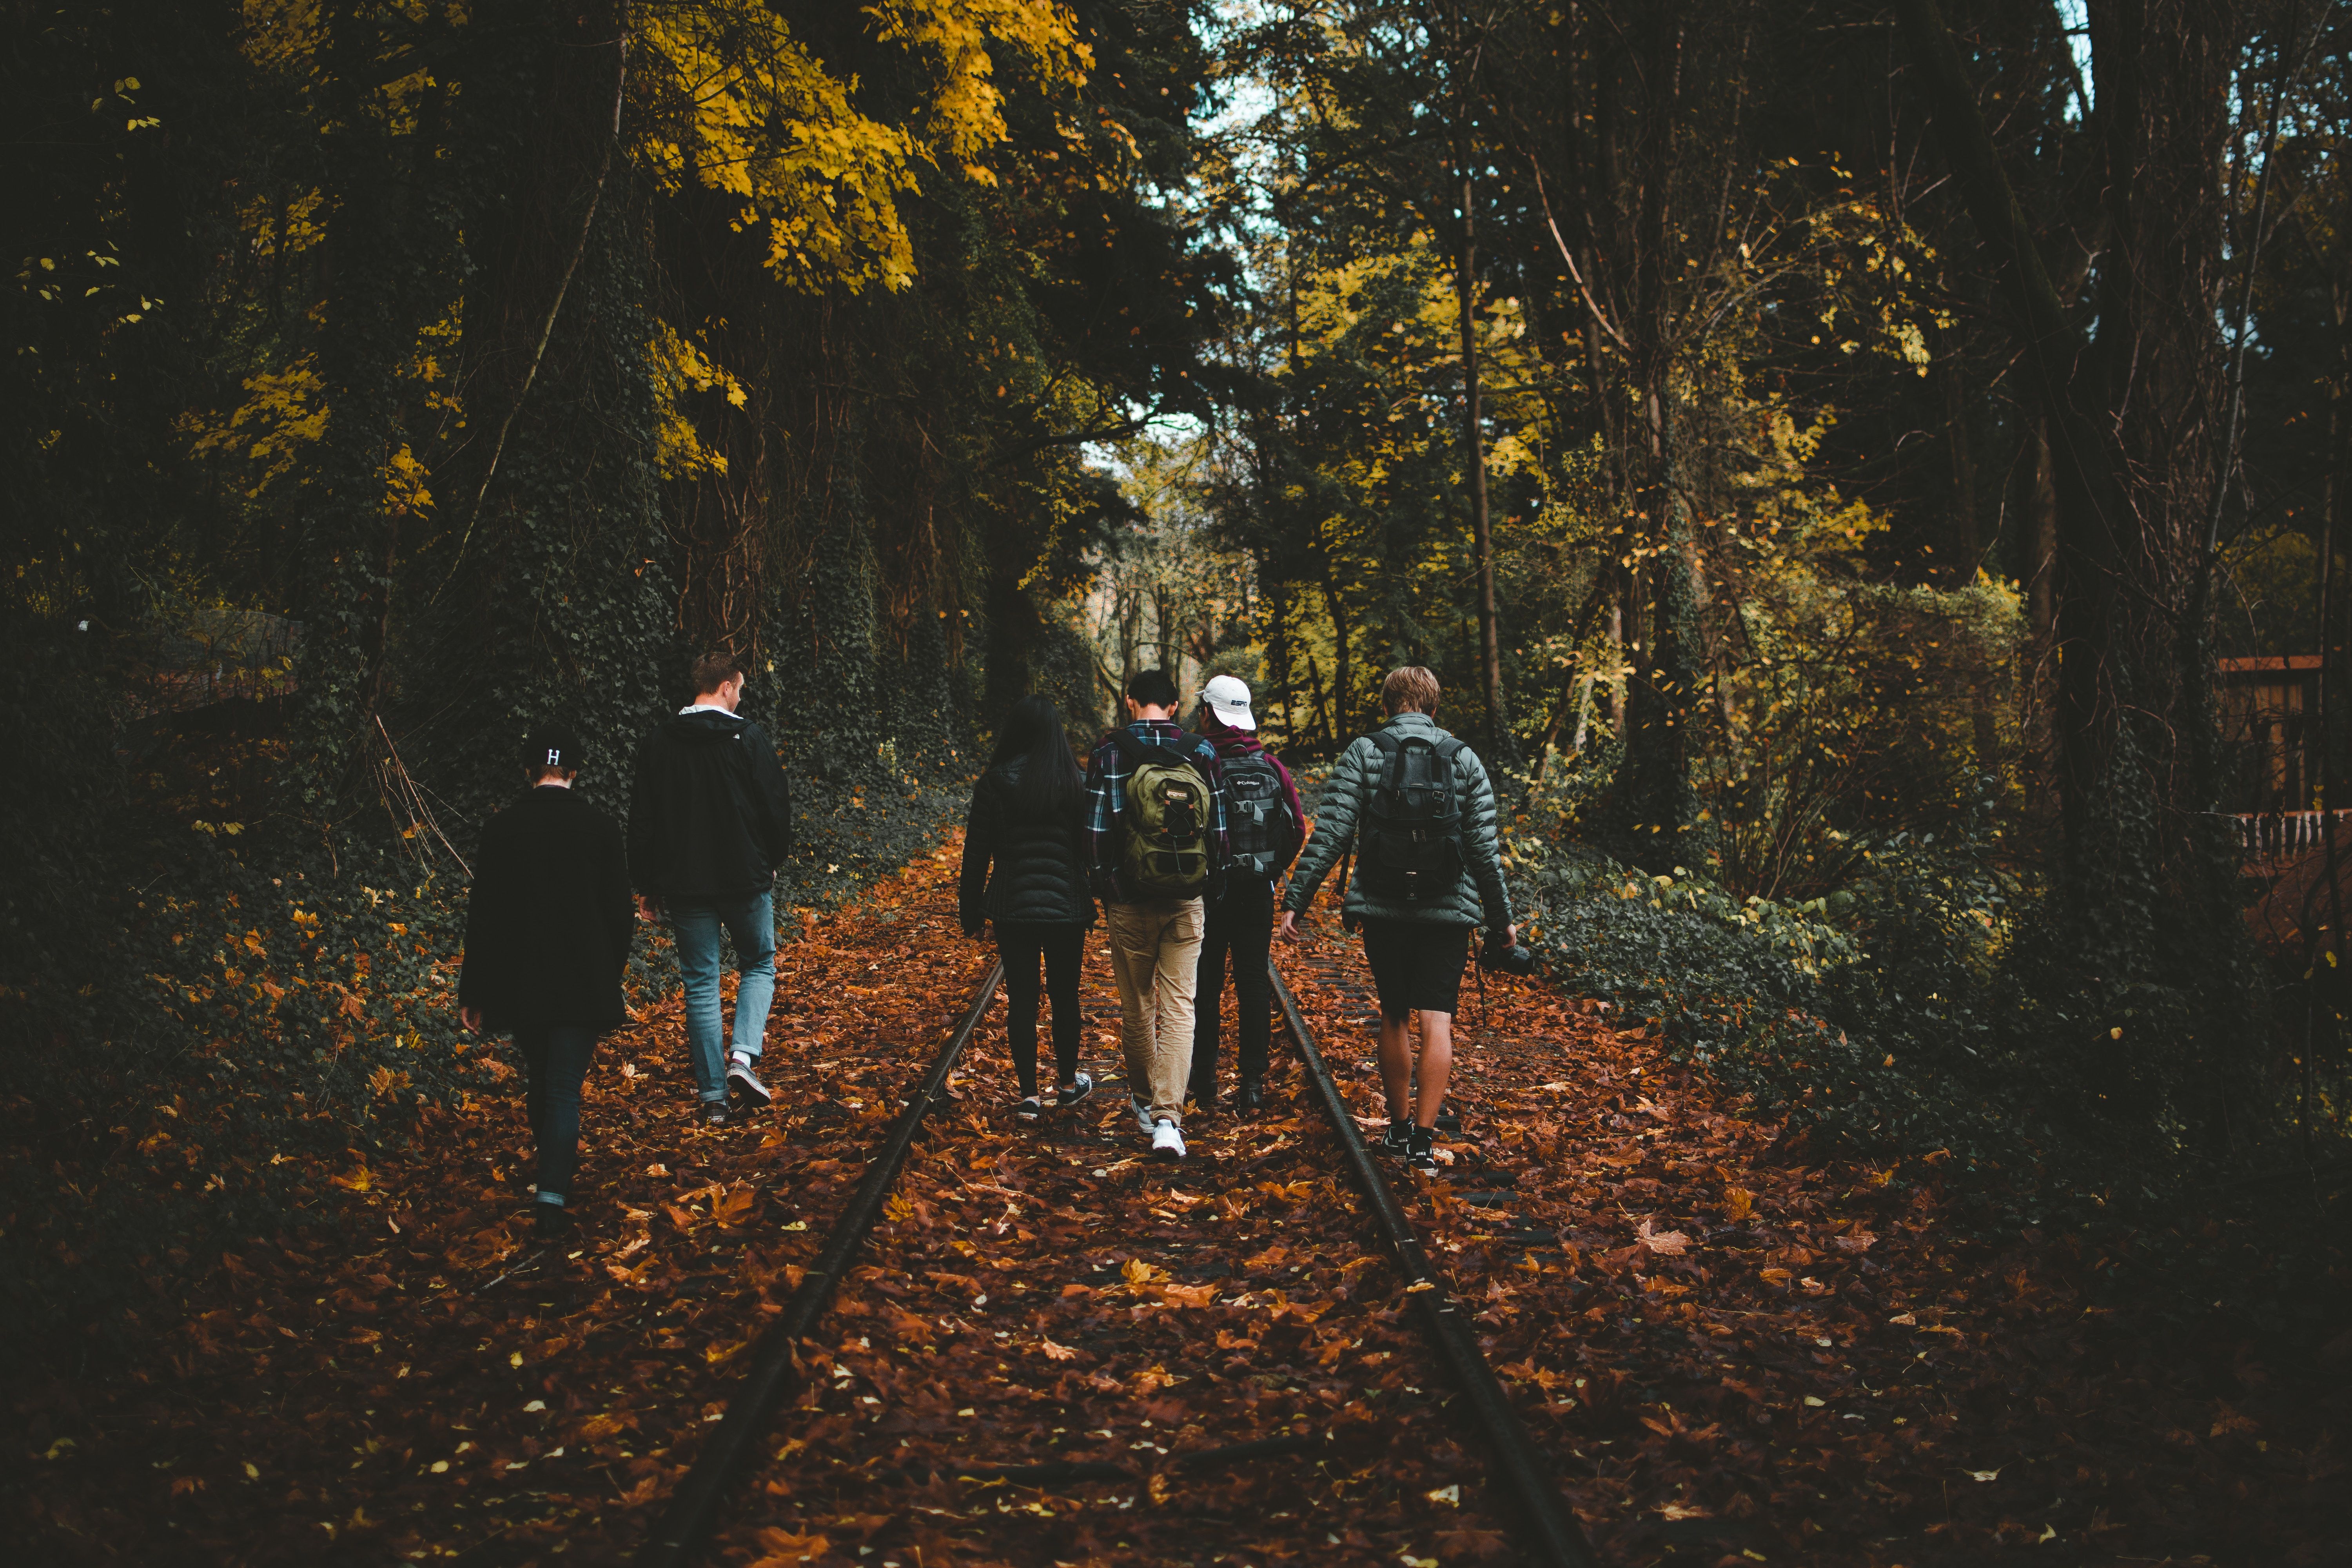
x=713, y=669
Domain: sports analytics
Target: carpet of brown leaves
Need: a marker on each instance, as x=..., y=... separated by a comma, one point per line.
x=1730, y=1354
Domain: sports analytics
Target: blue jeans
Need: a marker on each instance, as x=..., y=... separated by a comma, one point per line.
x=557, y=1059
x=751, y=922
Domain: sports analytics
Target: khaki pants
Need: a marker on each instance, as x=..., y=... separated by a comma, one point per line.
x=1155, y=952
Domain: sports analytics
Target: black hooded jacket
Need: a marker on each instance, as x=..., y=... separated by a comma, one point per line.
x=549, y=921
x=1039, y=874
x=710, y=818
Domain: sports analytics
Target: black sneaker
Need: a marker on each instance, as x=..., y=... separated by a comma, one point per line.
x=1398, y=1140
x=712, y=1113
x=1029, y=1110
x=1421, y=1148
x=552, y=1220
x=1251, y=1095
x=1074, y=1092
x=1204, y=1095
x=742, y=1080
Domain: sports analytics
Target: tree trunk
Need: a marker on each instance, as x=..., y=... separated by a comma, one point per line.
x=2088, y=505
x=1502, y=749
x=370, y=321
x=1960, y=538
x=1656, y=805
x=1342, y=653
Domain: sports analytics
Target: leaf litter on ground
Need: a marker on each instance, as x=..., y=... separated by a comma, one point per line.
x=1726, y=1352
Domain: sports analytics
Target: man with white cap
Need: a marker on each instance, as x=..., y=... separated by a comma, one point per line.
x=1265, y=827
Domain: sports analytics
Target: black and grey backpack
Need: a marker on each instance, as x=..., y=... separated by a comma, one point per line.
x=1410, y=840
x=1257, y=818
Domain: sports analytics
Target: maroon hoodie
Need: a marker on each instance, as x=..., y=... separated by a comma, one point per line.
x=1233, y=742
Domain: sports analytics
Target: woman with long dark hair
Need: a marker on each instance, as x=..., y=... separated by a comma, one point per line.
x=1024, y=870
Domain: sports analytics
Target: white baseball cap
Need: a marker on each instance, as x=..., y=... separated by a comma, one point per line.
x=1230, y=699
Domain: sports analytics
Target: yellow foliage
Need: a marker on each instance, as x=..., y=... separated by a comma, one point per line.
x=965, y=116
x=403, y=482
x=283, y=415
x=680, y=367
x=741, y=106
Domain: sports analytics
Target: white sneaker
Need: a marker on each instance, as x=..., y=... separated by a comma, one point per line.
x=1167, y=1142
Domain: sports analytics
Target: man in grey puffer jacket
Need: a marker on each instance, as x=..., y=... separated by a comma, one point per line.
x=1416, y=943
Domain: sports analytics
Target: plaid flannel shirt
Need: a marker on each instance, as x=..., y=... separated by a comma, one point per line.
x=1106, y=772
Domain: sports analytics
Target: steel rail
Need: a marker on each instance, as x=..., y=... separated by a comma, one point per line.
x=693, y=1513
x=1553, y=1534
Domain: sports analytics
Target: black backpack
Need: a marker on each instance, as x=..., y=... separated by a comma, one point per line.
x=1410, y=839
x=1257, y=818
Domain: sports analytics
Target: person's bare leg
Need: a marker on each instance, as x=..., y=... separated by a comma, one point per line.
x=1396, y=1064
x=1436, y=1066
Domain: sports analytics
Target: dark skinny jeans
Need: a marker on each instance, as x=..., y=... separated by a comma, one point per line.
x=557, y=1059
x=1241, y=924
x=1062, y=948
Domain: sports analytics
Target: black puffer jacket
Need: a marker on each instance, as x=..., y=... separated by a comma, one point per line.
x=710, y=816
x=1040, y=875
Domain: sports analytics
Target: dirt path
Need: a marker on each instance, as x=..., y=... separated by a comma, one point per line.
x=1727, y=1354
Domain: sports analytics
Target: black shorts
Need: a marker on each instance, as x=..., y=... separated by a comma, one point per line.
x=1416, y=965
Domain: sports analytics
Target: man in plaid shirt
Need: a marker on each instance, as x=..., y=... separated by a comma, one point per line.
x=1155, y=943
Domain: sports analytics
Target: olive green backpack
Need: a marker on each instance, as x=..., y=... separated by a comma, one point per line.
x=1163, y=834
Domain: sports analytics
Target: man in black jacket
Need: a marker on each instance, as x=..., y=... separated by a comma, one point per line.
x=547, y=934
x=709, y=820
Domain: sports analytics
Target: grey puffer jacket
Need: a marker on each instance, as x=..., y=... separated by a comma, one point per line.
x=1479, y=896
x=1019, y=869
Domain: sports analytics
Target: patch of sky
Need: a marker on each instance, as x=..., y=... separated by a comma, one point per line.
x=2074, y=15
x=1235, y=115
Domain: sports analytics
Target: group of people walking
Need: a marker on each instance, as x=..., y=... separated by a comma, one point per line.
x=1184, y=839
x=1181, y=839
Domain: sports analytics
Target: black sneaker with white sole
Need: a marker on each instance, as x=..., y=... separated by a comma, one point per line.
x=1070, y=1093
x=1030, y=1108
x=1421, y=1148
x=712, y=1113
x=742, y=1080
x=1397, y=1141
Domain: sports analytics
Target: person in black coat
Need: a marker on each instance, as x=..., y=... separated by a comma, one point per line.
x=710, y=819
x=548, y=926
x=1024, y=870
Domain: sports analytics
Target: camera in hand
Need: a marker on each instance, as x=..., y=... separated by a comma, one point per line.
x=1502, y=956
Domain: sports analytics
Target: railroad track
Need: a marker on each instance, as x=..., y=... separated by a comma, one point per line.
x=1271, y=1440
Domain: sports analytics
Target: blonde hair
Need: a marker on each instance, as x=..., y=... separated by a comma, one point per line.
x=1410, y=687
